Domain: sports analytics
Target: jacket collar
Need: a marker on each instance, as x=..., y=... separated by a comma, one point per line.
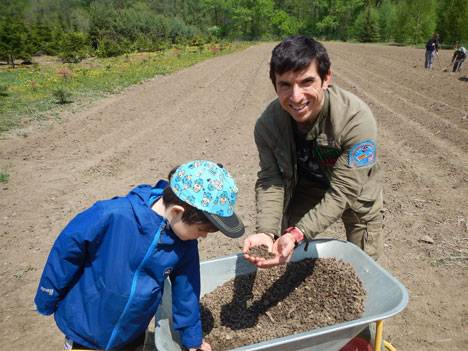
x=141, y=199
x=322, y=116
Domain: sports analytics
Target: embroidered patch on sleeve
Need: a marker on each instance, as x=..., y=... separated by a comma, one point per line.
x=362, y=154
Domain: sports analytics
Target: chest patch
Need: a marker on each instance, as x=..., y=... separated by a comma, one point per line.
x=168, y=271
x=362, y=154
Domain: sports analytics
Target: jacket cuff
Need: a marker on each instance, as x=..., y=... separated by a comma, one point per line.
x=45, y=310
x=191, y=337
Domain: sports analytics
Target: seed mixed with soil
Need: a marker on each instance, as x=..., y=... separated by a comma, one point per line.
x=261, y=251
x=281, y=301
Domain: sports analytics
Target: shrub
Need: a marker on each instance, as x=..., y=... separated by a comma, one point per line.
x=109, y=47
x=3, y=90
x=74, y=47
x=62, y=95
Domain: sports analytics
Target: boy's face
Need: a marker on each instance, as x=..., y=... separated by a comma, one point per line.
x=301, y=93
x=186, y=231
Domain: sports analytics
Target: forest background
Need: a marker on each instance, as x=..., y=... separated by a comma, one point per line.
x=75, y=29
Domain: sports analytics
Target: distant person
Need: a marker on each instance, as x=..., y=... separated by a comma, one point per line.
x=105, y=274
x=432, y=49
x=458, y=58
x=318, y=151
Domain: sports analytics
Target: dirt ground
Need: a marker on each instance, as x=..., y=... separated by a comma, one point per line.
x=208, y=111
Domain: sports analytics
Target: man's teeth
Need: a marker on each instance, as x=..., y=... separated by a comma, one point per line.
x=298, y=108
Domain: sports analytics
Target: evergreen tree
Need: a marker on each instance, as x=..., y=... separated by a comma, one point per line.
x=74, y=47
x=387, y=17
x=13, y=35
x=366, y=27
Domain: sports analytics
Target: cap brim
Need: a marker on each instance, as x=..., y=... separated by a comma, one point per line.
x=229, y=226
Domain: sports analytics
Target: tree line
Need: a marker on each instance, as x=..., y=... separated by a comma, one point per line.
x=74, y=29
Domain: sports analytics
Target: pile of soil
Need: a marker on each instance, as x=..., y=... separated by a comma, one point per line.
x=281, y=301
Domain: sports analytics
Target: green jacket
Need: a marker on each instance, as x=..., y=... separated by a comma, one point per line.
x=345, y=121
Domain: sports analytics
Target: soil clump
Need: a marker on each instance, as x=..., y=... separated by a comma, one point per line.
x=281, y=301
x=261, y=251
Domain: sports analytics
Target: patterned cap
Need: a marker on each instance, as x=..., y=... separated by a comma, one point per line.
x=207, y=186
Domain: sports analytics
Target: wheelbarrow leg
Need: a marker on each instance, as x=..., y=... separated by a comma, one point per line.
x=378, y=336
x=379, y=342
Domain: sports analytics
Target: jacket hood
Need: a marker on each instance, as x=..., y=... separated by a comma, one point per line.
x=141, y=199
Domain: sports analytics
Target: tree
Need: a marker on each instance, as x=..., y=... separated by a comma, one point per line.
x=452, y=22
x=366, y=27
x=338, y=17
x=387, y=12
x=285, y=25
x=416, y=21
x=12, y=40
x=74, y=47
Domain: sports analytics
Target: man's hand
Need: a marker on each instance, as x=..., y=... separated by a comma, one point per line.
x=203, y=347
x=283, y=248
x=256, y=240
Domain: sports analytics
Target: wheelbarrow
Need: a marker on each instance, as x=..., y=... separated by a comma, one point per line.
x=386, y=297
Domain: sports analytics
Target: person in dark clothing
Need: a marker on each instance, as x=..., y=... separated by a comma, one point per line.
x=457, y=59
x=432, y=49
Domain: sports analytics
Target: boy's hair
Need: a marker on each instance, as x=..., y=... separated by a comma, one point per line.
x=295, y=54
x=191, y=214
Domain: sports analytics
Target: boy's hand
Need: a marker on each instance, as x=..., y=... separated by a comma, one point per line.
x=256, y=240
x=203, y=347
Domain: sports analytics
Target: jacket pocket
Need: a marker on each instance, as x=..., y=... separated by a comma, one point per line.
x=372, y=188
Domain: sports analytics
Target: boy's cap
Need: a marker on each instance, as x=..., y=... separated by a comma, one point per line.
x=207, y=186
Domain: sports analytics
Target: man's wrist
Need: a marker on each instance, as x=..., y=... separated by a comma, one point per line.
x=271, y=235
x=296, y=233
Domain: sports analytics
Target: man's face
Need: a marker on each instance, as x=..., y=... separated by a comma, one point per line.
x=301, y=93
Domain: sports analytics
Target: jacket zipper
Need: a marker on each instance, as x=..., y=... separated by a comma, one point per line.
x=134, y=283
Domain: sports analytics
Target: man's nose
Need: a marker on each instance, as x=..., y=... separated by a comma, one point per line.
x=296, y=94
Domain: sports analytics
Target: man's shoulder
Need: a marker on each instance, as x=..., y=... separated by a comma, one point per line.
x=345, y=99
x=273, y=114
x=348, y=110
x=273, y=109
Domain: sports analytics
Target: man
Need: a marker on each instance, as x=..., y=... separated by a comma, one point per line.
x=317, y=146
x=432, y=48
x=458, y=58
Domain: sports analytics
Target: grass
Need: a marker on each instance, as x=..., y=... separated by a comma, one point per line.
x=4, y=177
x=29, y=92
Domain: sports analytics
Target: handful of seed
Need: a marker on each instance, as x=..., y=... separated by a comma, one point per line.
x=261, y=251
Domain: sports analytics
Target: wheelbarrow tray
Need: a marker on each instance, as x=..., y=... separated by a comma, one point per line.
x=386, y=297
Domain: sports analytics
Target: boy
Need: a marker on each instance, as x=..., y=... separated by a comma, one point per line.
x=105, y=274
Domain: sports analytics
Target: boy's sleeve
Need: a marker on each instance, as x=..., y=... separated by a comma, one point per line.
x=185, y=299
x=67, y=258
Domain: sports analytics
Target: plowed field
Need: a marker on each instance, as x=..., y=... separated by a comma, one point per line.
x=208, y=111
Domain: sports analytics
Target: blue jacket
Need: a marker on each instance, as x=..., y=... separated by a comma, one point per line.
x=105, y=274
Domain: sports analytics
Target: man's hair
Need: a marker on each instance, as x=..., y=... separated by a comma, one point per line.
x=191, y=214
x=295, y=54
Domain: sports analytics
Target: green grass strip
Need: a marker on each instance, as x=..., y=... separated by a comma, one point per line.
x=29, y=92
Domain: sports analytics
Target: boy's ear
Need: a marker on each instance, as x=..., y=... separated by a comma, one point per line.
x=176, y=211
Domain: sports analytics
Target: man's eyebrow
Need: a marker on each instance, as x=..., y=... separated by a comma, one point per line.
x=308, y=79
